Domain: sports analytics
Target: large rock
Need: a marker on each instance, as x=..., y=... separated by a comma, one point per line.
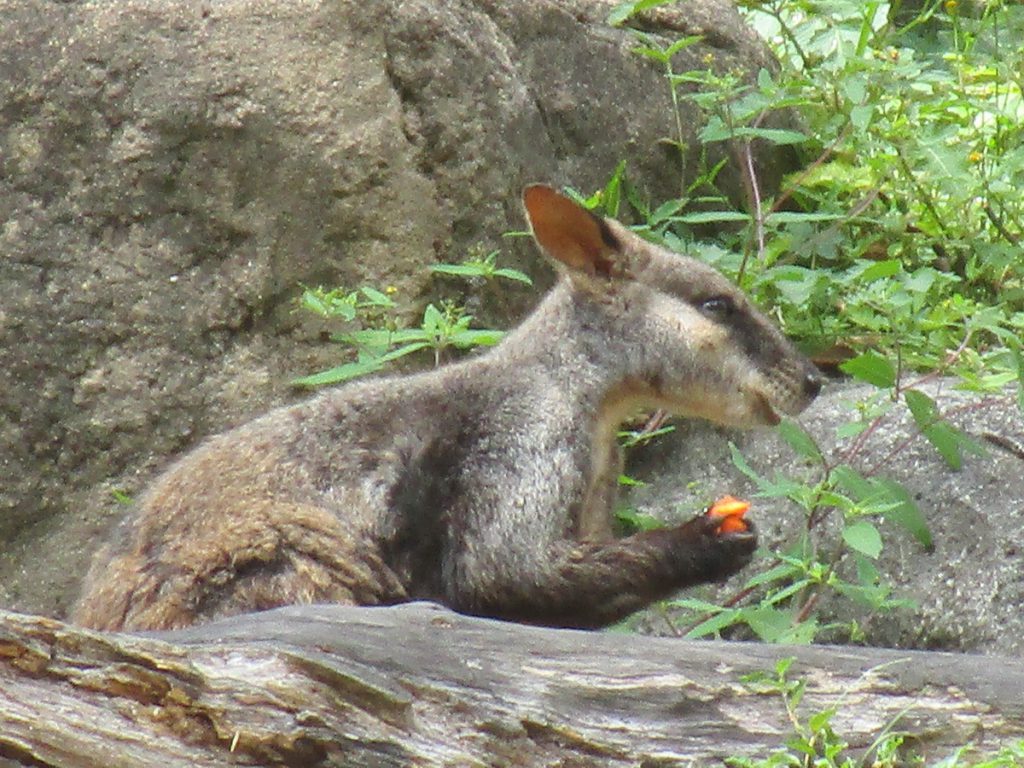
x=171, y=172
x=968, y=590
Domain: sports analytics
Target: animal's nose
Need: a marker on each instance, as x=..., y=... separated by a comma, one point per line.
x=812, y=384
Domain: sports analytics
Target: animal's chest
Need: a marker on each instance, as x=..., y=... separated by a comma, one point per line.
x=594, y=517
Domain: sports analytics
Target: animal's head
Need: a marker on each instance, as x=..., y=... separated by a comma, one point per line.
x=683, y=337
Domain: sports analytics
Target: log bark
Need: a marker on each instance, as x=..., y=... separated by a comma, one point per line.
x=416, y=685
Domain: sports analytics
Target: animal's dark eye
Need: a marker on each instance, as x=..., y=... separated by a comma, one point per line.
x=718, y=306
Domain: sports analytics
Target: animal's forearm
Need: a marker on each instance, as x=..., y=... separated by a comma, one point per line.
x=589, y=584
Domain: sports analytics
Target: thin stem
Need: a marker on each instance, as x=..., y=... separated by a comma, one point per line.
x=922, y=193
x=776, y=12
x=680, y=136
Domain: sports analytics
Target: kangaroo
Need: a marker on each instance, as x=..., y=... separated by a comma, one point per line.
x=486, y=485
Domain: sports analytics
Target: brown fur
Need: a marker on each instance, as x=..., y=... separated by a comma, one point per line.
x=486, y=485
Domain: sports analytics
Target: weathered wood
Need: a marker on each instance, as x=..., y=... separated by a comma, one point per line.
x=418, y=685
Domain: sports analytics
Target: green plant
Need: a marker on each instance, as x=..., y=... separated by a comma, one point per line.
x=778, y=603
x=480, y=265
x=903, y=234
x=816, y=743
x=896, y=252
x=379, y=338
x=121, y=496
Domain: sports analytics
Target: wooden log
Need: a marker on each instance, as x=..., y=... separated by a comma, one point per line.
x=417, y=685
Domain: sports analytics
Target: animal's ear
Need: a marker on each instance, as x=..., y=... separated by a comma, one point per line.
x=569, y=233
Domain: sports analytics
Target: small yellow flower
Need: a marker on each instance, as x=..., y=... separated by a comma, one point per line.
x=390, y=290
x=975, y=156
x=709, y=59
x=951, y=6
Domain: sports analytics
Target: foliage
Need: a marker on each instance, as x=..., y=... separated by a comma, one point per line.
x=815, y=741
x=379, y=338
x=904, y=233
x=897, y=252
x=481, y=266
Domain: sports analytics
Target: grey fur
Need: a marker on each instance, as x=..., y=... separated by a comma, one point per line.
x=487, y=484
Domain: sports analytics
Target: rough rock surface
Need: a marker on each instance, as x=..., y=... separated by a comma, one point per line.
x=969, y=590
x=171, y=172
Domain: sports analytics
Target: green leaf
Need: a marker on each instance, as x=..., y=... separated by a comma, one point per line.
x=787, y=592
x=799, y=440
x=433, y=319
x=778, y=487
x=947, y=442
x=881, y=269
x=789, y=217
x=513, y=274
x=781, y=572
x=860, y=116
x=651, y=53
x=623, y=11
x=707, y=217
x=818, y=721
x=741, y=464
x=772, y=135
x=637, y=521
x=377, y=298
x=335, y=303
x=864, y=537
x=667, y=210
x=619, y=14
x=945, y=438
x=769, y=624
x=460, y=270
x=339, y=374
x=803, y=633
x=696, y=605
x=476, y=338
x=796, y=690
x=682, y=42
x=796, y=284
x=121, y=496
x=354, y=370
x=851, y=429
x=872, y=368
x=868, y=592
x=801, y=744
x=381, y=338
x=613, y=189
x=782, y=666
x=907, y=515
x=854, y=483
x=715, y=624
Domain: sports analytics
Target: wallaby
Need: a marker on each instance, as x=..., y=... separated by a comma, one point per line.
x=486, y=485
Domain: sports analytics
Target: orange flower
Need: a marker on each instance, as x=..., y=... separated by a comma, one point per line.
x=732, y=511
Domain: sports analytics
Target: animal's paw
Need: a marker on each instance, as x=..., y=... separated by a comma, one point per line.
x=722, y=548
